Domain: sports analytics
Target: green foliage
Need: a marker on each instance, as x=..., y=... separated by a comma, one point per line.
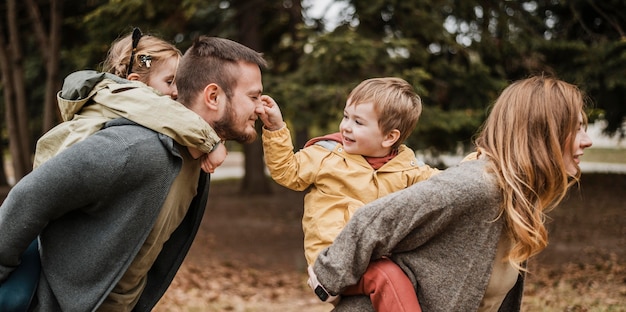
x=439, y=130
x=457, y=54
x=588, y=47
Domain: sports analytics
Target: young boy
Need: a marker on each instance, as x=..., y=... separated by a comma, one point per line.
x=345, y=170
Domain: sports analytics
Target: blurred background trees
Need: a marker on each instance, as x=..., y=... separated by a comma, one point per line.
x=457, y=54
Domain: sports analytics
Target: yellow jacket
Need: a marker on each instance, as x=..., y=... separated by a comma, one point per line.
x=339, y=183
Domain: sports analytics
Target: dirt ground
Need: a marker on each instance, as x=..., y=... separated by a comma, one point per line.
x=248, y=254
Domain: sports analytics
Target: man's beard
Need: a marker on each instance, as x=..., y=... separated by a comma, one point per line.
x=225, y=129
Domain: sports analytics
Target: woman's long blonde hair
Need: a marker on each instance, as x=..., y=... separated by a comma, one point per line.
x=524, y=137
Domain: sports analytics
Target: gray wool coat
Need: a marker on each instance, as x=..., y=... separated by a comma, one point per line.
x=92, y=206
x=441, y=232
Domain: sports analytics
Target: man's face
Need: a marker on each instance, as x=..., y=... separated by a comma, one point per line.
x=240, y=112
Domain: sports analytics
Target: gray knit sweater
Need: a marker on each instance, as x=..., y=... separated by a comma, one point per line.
x=93, y=206
x=441, y=232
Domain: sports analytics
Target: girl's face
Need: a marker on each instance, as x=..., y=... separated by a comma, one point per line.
x=574, y=146
x=360, y=131
x=162, y=77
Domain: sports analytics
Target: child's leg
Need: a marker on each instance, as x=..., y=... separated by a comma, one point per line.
x=387, y=286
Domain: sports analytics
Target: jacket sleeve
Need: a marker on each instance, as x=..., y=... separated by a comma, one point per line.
x=401, y=221
x=296, y=171
x=159, y=113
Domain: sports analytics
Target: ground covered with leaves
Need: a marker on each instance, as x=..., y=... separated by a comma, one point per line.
x=248, y=254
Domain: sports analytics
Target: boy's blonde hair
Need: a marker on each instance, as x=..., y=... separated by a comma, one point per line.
x=530, y=125
x=395, y=102
x=149, y=47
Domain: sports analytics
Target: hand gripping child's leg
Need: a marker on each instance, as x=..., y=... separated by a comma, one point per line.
x=387, y=286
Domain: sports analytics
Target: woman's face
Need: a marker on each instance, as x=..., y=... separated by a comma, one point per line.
x=574, y=146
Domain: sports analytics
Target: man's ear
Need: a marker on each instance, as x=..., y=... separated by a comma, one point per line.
x=210, y=94
x=391, y=138
x=133, y=76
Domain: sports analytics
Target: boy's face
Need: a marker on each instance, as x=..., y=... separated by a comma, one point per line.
x=360, y=131
x=162, y=77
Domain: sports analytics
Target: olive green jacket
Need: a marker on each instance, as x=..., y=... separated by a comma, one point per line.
x=89, y=99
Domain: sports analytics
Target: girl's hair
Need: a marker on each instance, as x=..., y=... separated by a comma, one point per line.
x=213, y=60
x=149, y=52
x=395, y=102
x=530, y=125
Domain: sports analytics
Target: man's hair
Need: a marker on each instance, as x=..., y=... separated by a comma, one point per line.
x=395, y=102
x=212, y=60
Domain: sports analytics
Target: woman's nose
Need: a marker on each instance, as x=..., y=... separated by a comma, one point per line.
x=586, y=141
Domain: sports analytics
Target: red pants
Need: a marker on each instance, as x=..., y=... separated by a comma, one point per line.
x=387, y=286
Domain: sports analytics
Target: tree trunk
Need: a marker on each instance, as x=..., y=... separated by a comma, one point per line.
x=13, y=77
x=7, y=85
x=254, y=179
x=16, y=109
x=49, y=48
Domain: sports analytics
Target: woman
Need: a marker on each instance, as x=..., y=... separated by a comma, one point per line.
x=463, y=237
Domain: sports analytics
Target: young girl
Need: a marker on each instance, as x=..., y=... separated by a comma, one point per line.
x=145, y=58
x=89, y=99
x=463, y=237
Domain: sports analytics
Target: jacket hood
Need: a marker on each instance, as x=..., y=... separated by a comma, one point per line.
x=78, y=85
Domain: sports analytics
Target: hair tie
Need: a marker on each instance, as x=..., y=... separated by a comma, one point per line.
x=136, y=36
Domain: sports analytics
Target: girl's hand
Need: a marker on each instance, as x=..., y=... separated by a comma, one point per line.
x=214, y=159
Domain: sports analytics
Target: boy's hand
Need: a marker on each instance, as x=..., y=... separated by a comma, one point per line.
x=271, y=116
x=214, y=159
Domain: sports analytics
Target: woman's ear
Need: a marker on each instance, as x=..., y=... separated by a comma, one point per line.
x=133, y=76
x=391, y=138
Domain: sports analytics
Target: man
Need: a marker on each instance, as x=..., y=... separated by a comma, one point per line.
x=116, y=213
